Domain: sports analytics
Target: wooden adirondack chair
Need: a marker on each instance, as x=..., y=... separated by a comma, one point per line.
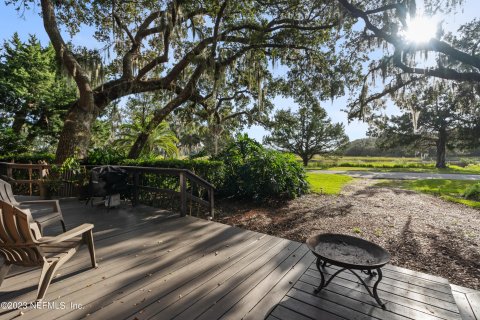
x=19, y=246
x=41, y=219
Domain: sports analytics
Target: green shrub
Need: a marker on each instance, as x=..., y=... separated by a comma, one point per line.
x=104, y=156
x=28, y=157
x=473, y=192
x=253, y=172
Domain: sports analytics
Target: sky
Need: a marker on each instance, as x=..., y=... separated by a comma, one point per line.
x=29, y=22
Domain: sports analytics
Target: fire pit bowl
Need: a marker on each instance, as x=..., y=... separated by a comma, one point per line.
x=349, y=253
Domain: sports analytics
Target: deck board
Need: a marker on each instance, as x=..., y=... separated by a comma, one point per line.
x=351, y=280
x=427, y=305
x=474, y=300
x=154, y=264
x=183, y=286
x=355, y=296
x=280, y=263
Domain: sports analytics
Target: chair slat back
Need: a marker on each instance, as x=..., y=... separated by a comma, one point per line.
x=6, y=193
x=17, y=242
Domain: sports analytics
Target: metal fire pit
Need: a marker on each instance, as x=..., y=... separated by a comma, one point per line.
x=349, y=253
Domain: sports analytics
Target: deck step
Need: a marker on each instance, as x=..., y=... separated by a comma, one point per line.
x=468, y=302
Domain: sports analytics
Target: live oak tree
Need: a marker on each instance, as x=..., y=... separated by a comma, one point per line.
x=240, y=100
x=33, y=96
x=434, y=115
x=171, y=46
x=306, y=133
x=401, y=63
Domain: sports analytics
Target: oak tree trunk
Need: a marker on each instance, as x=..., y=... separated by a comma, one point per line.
x=161, y=114
x=75, y=135
x=305, y=160
x=441, y=148
x=136, y=149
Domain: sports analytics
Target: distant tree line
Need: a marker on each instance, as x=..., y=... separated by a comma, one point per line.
x=369, y=147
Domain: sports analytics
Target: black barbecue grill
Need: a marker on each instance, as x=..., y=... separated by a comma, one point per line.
x=106, y=181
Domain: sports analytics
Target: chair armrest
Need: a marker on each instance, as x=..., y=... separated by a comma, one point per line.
x=54, y=203
x=67, y=235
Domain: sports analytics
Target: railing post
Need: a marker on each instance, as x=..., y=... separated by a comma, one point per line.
x=136, y=182
x=30, y=178
x=183, y=195
x=210, y=200
x=10, y=170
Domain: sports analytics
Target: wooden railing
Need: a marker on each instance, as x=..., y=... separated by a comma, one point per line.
x=35, y=174
x=187, y=188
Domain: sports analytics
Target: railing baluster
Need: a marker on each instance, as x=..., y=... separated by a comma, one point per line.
x=183, y=194
x=30, y=178
x=10, y=171
x=210, y=199
x=136, y=180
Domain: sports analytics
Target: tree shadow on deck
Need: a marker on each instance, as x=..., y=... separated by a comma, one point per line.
x=131, y=267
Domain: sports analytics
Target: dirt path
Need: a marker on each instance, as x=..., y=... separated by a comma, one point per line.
x=421, y=232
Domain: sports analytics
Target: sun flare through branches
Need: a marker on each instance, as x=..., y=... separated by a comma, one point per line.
x=420, y=29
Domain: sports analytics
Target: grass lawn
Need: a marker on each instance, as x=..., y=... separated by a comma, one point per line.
x=452, y=169
x=389, y=164
x=450, y=190
x=327, y=183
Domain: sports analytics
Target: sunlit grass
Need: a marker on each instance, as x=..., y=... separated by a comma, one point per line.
x=472, y=169
x=350, y=169
x=327, y=183
x=471, y=165
x=450, y=190
x=470, y=203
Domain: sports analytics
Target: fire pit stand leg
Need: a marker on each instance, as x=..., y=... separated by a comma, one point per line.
x=322, y=277
x=373, y=293
x=375, y=286
x=323, y=284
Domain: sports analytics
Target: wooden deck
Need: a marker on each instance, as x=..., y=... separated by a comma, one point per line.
x=157, y=265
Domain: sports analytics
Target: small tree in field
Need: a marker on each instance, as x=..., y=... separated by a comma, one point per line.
x=306, y=133
x=437, y=115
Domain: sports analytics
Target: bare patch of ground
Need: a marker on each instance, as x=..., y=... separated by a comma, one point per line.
x=421, y=232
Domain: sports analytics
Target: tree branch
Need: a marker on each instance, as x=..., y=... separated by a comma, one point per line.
x=434, y=45
x=123, y=27
x=66, y=57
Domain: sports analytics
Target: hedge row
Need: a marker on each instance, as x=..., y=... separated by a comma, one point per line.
x=28, y=157
x=212, y=171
